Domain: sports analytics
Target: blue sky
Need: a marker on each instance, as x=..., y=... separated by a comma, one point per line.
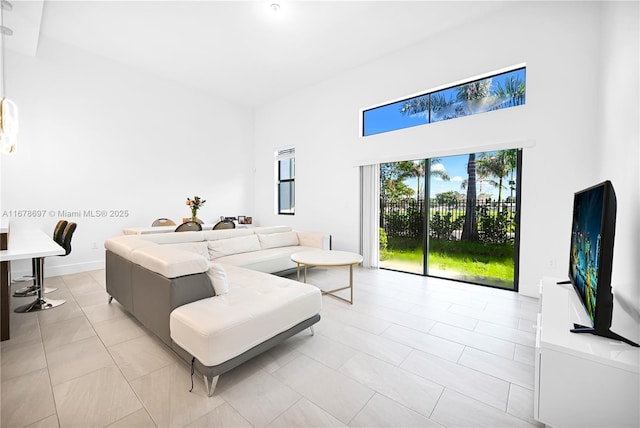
x=456, y=168
x=389, y=117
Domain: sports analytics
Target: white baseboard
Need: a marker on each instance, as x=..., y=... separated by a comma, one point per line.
x=63, y=269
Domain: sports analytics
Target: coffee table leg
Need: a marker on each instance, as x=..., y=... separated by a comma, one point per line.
x=298, y=272
x=351, y=282
x=305, y=274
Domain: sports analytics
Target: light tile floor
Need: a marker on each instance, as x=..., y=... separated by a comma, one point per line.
x=411, y=351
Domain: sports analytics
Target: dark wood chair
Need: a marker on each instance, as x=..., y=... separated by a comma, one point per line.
x=224, y=224
x=163, y=222
x=189, y=226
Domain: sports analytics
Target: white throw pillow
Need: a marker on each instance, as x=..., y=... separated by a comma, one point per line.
x=275, y=240
x=218, y=278
x=226, y=247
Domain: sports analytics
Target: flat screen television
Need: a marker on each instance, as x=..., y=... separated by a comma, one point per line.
x=591, y=257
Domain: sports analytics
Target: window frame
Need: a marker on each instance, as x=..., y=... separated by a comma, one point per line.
x=286, y=155
x=433, y=91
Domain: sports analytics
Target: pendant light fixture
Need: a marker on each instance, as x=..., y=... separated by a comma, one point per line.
x=8, y=109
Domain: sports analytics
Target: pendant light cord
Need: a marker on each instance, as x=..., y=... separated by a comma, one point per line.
x=4, y=4
x=2, y=46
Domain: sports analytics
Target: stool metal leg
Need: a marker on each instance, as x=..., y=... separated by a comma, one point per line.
x=31, y=290
x=40, y=304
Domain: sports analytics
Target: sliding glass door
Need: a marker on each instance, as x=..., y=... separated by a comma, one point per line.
x=402, y=216
x=471, y=230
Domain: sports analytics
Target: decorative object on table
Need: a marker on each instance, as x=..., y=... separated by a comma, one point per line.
x=195, y=205
x=248, y=220
x=190, y=219
x=241, y=219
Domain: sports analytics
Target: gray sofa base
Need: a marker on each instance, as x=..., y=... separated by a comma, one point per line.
x=211, y=373
x=149, y=296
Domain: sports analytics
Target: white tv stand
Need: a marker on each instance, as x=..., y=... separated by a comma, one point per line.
x=581, y=379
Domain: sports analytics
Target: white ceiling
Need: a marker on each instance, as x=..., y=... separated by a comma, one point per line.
x=239, y=50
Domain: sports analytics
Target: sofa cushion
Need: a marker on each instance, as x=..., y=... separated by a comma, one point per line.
x=169, y=262
x=314, y=239
x=218, y=277
x=257, y=307
x=271, y=229
x=124, y=245
x=200, y=248
x=282, y=239
x=225, y=247
x=213, y=235
x=272, y=260
x=173, y=238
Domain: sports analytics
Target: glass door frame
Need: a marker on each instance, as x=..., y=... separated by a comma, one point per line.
x=426, y=209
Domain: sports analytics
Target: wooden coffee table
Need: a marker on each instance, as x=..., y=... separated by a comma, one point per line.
x=328, y=258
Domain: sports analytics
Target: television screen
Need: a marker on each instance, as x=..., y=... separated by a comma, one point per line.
x=586, y=245
x=591, y=257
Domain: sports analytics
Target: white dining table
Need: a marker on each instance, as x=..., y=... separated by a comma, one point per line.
x=144, y=230
x=28, y=243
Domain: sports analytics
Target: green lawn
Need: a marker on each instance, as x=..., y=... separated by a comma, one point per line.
x=492, y=262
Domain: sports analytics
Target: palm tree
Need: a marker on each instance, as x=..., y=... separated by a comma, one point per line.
x=498, y=165
x=417, y=170
x=437, y=172
x=513, y=92
x=470, y=227
x=473, y=91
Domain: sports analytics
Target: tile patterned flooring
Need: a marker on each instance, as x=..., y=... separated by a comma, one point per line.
x=410, y=352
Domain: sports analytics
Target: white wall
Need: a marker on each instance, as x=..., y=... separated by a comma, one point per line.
x=97, y=135
x=558, y=125
x=619, y=154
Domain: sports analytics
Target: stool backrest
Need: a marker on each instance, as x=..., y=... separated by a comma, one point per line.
x=66, y=237
x=59, y=231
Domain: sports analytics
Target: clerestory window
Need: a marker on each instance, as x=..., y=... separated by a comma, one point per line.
x=495, y=92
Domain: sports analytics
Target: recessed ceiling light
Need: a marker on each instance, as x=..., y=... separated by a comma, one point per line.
x=275, y=7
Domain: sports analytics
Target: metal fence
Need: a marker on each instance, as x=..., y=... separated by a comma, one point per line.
x=405, y=219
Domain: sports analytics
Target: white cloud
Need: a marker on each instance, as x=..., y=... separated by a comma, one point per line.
x=456, y=178
x=437, y=167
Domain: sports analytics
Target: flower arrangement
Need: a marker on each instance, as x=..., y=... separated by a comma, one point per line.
x=195, y=205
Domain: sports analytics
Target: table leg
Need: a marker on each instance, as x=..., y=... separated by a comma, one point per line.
x=4, y=301
x=298, y=272
x=305, y=274
x=351, y=282
x=5, y=283
x=350, y=287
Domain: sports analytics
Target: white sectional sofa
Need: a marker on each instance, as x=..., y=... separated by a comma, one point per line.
x=212, y=295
